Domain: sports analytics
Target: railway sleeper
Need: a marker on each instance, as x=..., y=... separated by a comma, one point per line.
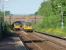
x=35, y=41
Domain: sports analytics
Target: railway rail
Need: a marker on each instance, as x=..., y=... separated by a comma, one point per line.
x=36, y=41
x=51, y=35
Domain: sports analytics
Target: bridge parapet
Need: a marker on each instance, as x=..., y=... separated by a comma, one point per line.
x=34, y=19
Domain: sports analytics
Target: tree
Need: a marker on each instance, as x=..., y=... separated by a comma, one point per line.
x=7, y=13
x=51, y=12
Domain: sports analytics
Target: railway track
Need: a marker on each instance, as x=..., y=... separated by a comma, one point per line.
x=35, y=41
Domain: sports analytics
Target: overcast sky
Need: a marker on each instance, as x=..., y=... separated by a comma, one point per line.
x=22, y=6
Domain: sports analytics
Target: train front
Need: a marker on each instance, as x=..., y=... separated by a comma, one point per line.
x=17, y=26
x=27, y=27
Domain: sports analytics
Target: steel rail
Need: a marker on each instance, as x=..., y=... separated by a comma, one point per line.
x=28, y=36
x=34, y=43
x=36, y=33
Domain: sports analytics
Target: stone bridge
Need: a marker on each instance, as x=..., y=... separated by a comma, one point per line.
x=33, y=19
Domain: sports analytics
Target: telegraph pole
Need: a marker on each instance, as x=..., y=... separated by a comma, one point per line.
x=10, y=19
x=62, y=22
x=3, y=9
x=3, y=14
x=62, y=18
x=35, y=19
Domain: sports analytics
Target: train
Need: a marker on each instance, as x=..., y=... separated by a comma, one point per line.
x=25, y=26
x=17, y=25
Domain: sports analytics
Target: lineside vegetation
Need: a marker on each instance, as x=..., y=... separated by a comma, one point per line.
x=4, y=26
x=51, y=12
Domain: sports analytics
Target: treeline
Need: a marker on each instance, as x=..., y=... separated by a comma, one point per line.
x=51, y=11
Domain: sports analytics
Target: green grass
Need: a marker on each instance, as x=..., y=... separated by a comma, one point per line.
x=53, y=31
